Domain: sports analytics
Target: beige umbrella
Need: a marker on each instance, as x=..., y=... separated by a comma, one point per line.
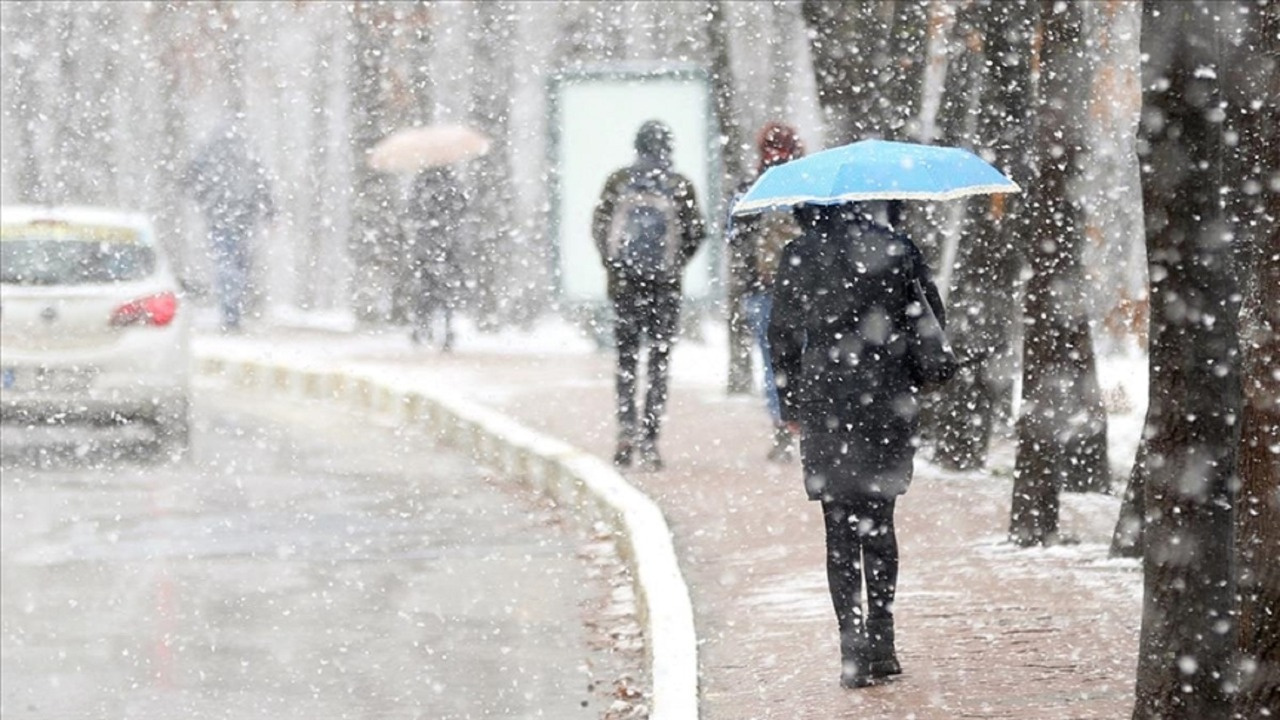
x=415, y=148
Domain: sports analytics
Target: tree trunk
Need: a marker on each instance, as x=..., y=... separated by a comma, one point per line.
x=32, y=186
x=1258, y=506
x=490, y=215
x=1126, y=539
x=170, y=37
x=844, y=40
x=733, y=153
x=982, y=299
x=905, y=49
x=372, y=222
x=1185, y=667
x=904, y=52
x=782, y=19
x=68, y=140
x=319, y=224
x=1062, y=431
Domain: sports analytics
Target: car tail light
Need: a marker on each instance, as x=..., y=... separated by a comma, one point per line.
x=157, y=310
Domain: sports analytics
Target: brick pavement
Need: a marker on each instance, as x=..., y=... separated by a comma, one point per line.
x=985, y=631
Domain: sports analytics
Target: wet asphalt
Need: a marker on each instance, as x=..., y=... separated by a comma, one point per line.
x=295, y=564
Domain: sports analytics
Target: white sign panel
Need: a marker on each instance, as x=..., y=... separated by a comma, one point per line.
x=595, y=121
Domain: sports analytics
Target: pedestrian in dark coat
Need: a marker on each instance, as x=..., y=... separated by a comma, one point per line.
x=647, y=227
x=436, y=208
x=843, y=316
x=234, y=193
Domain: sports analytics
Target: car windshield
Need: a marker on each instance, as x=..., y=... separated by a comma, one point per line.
x=68, y=254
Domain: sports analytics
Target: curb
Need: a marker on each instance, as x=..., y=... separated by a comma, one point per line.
x=586, y=484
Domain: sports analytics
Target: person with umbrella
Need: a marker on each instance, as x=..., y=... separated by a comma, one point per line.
x=436, y=209
x=435, y=217
x=856, y=331
x=233, y=191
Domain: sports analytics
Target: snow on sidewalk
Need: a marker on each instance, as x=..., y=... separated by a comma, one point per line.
x=985, y=630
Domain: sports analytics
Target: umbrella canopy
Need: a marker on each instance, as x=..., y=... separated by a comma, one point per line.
x=412, y=149
x=874, y=170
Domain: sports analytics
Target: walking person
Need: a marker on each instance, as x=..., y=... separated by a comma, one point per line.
x=647, y=227
x=846, y=317
x=436, y=208
x=759, y=239
x=233, y=192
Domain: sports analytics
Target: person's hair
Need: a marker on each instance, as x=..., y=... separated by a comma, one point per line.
x=653, y=140
x=778, y=143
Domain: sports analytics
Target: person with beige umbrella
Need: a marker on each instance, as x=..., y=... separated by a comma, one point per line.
x=435, y=215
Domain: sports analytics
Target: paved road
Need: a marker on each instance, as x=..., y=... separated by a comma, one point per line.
x=291, y=567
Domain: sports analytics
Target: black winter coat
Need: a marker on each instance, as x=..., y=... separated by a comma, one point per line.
x=838, y=339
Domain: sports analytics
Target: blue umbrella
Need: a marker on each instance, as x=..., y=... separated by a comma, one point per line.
x=874, y=170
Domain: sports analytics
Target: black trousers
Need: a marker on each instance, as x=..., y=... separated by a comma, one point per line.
x=643, y=310
x=432, y=285
x=861, y=544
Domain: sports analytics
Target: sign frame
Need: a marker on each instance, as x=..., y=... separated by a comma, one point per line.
x=710, y=177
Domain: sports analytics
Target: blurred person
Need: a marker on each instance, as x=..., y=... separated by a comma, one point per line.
x=647, y=227
x=436, y=208
x=759, y=239
x=233, y=192
x=847, y=298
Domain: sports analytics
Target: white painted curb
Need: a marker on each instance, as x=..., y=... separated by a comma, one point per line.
x=585, y=483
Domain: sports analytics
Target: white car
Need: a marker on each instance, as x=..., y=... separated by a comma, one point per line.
x=93, y=324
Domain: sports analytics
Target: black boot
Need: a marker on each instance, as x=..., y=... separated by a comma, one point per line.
x=854, y=664
x=883, y=660
x=626, y=448
x=650, y=460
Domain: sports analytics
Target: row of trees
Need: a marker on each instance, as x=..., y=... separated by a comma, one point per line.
x=1203, y=505
x=106, y=102
x=319, y=82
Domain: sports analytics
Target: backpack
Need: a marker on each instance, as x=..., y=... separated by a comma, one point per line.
x=645, y=229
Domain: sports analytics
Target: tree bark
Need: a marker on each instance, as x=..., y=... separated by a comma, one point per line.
x=983, y=291
x=850, y=63
x=783, y=20
x=905, y=49
x=168, y=38
x=32, y=186
x=491, y=203
x=1062, y=429
x=733, y=156
x=1185, y=663
x=373, y=210
x=1258, y=506
x=1126, y=539
x=319, y=224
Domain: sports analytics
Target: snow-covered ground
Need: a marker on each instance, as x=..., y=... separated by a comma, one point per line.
x=699, y=365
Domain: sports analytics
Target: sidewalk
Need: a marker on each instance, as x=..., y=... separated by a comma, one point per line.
x=984, y=631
